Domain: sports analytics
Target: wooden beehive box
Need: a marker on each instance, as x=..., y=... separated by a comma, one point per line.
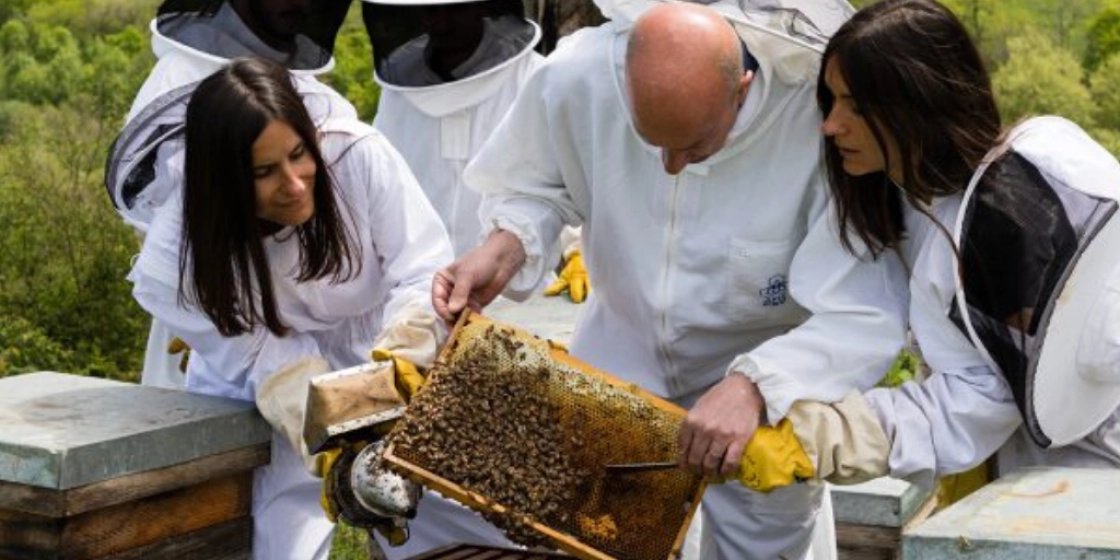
x=1032, y=514
x=871, y=517
x=97, y=469
x=481, y=552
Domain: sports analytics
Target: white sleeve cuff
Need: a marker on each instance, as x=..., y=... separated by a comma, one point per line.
x=776, y=390
x=531, y=274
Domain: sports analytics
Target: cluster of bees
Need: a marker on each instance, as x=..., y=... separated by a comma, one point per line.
x=486, y=424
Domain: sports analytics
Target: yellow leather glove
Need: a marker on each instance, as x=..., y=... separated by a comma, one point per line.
x=177, y=346
x=841, y=442
x=573, y=279
x=406, y=376
x=326, y=464
x=774, y=458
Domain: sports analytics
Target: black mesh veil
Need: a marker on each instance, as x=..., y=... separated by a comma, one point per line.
x=1021, y=235
x=409, y=40
x=190, y=22
x=136, y=177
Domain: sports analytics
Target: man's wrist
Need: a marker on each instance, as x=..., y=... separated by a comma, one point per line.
x=509, y=248
x=753, y=394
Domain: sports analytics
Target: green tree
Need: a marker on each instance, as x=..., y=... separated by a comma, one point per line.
x=12, y=8
x=24, y=348
x=1105, y=87
x=1041, y=78
x=90, y=18
x=65, y=253
x=40, y=64
x=1103, y=37
x=352, y=75
x=977, y=16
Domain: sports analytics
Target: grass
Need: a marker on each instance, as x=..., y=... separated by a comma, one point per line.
x=349, y=543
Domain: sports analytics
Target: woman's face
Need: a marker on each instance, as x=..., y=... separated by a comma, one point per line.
x=284, y=176
x=848, y=130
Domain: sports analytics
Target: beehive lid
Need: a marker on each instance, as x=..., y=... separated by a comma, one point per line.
x=64, y=431
x=1037, y=513
x=882, y=502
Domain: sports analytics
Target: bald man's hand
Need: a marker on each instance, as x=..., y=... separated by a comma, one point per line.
x=717, y=429
x=476, y=278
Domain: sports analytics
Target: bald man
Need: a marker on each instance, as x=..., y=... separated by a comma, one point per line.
x=694, y=167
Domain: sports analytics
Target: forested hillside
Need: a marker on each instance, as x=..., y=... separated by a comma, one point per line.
x=69, y=69
x=1051, y=57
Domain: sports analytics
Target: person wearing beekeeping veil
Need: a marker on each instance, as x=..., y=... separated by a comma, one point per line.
x=292, y=249
x=1013, y=239
x=448, y=72
x=684, y=139
x=192, y=39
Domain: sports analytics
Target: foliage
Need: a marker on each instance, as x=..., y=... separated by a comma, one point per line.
x=349, y=543
x=1106, y=92
x=1103, y=37
x=1041, y=78
x=352, y=75
x=25, y=348
x=91, y=18
x=64, y=253
x=64, y=304
x=905, y=368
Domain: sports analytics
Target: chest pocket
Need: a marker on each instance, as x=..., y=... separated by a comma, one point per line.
x=758, y=276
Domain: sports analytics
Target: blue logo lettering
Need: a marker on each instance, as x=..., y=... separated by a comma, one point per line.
x=774, y=294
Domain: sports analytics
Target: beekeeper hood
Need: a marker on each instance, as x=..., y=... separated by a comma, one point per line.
x=1038, y=277
x=786, y=36
x=302, y=31
x=145, y=163
x=421, y=46
x=192, y=39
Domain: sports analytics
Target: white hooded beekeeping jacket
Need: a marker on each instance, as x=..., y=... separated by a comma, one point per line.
x=402, y=245
x=734, y=264
x=438, y=128
x=965, y=411
x=179, y=64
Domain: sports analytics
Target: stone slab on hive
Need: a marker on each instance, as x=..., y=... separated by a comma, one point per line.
x=1037, y=513
x=64, y=431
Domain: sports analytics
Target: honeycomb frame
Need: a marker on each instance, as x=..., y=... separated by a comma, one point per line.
x=638, y=516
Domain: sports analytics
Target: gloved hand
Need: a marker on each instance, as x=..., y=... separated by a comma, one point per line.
x=573, y=279
x=358, y=490
x=372, y=396
x=774, y=458
x=840, y=442
x=406, y=376
x=177, y=346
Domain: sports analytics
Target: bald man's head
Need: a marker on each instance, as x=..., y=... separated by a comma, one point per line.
x=685, y=78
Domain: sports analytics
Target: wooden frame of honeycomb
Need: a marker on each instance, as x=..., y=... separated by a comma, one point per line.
x=521, y=432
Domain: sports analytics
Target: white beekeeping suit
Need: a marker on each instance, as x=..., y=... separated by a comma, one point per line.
x=1037, y=230
x=439, y=119
x=734, y=264
x=191, y=40
x=333, y=325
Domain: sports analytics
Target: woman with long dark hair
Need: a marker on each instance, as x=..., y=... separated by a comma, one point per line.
x=1011, y=239
x=296, y=247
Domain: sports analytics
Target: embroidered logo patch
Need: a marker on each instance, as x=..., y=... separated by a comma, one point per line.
x=774, y=294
